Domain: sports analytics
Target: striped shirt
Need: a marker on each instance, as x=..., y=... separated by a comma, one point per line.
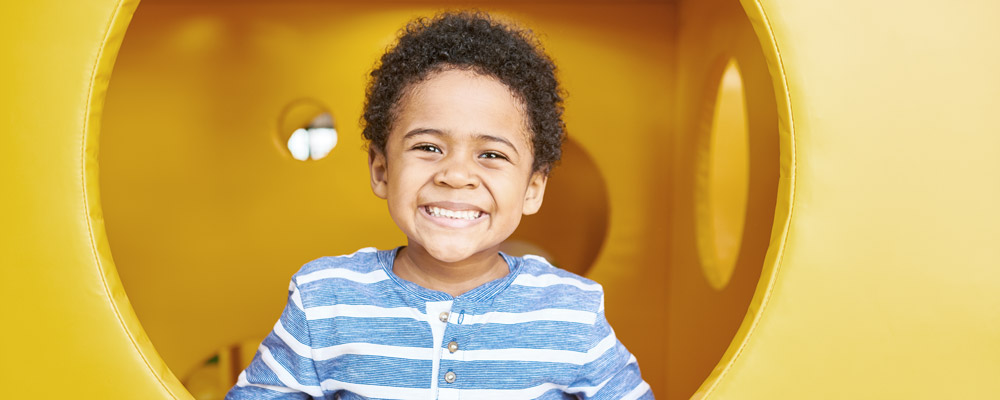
x=352, y=329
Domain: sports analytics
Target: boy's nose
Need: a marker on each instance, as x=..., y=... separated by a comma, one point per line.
x=457, y=173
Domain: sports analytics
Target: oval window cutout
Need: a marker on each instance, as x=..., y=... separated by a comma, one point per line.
x=722, y=184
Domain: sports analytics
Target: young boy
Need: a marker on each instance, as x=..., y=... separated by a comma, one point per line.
x=464, y=121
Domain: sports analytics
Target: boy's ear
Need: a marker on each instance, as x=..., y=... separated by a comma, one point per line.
x=536, y=190
x=379, y=175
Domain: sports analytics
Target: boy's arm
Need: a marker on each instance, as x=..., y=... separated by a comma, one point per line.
x=283, y=367
x=614, y=373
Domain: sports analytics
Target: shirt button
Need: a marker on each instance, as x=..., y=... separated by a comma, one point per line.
x=443, y=316
x=452, y=346
x=450, y=377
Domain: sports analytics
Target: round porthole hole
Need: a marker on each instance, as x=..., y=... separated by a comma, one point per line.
x=307, y=130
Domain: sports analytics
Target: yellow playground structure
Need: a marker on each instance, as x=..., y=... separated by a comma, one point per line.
x=783, y=199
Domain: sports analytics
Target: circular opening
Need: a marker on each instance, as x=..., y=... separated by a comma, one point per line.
x=197, y=200
x=723, y=180
x=307, y=130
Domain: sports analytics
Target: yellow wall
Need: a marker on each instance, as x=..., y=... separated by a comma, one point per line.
x=208, y=217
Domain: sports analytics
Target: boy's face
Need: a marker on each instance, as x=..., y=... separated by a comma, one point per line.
x=457, y=169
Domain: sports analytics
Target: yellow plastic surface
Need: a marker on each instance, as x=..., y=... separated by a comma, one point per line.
x=68, y=329
x=873, y=165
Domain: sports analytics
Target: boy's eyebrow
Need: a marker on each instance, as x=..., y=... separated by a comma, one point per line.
x=437, y=132
x=498, y=139
x=422, y=131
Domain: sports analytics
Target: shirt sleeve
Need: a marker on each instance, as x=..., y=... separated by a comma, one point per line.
x=283, y=367
x=613, y=372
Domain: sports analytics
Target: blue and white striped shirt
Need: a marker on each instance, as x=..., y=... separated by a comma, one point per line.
x=352, y=329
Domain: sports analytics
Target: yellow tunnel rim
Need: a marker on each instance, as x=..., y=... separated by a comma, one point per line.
x=785, y=203
x=114, y=291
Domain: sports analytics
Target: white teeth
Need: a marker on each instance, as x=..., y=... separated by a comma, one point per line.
x=444, y=212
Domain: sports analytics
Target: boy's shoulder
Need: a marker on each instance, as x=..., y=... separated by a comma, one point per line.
x=539, y=266
x=541, y=287
x=537, y=272
x=361, y=263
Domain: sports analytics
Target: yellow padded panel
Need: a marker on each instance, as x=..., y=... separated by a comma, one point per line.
x=68, y=327
x=881, y=280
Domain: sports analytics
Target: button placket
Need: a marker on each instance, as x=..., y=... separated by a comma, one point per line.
x=438, y=315
x=457, y=332
x=452, y=330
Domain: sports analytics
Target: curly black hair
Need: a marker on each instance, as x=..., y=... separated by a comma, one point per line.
x=476, y=42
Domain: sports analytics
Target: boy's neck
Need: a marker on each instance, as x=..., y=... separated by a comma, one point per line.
x=455, y=278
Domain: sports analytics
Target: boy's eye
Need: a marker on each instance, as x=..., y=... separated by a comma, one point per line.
x=427, y=147
x=493, y=155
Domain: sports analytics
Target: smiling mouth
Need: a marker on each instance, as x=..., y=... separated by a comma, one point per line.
x=468, y=215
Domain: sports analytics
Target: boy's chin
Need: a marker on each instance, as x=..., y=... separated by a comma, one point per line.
x=452, y=254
